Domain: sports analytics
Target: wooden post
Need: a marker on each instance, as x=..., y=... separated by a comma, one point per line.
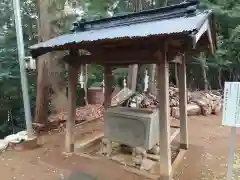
x=164, y=119
x=72, y=85
x=183, y=104
x=108, y=86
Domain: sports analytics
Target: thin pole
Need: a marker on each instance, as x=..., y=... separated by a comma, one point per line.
x=231, y=153
x=21, y=55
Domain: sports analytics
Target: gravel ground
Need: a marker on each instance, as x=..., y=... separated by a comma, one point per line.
x=205, y=160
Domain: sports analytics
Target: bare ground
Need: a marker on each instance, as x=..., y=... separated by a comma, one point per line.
x=205, y=160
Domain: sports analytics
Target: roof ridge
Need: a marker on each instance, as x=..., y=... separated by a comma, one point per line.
x=173, y=11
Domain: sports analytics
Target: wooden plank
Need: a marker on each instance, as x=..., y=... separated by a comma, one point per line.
x=174, y=133
x=164, y=116
x=72, y=85
x=183, y=104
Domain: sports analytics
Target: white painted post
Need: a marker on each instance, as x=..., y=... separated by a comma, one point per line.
x=21, y=56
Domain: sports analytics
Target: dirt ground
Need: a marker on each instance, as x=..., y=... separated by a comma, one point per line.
x=205, y=160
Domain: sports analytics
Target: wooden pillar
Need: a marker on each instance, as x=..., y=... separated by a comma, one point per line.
x=183, y=104
x=72, y=85
x=164, y=117
x=108, y=86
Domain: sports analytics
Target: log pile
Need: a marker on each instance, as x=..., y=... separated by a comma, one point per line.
x=209, y=102
x=198, y=102
x=204, y=103
x=84, y=113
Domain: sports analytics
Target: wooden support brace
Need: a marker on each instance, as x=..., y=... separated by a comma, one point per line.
x=164, y=119
x=72, y=85
x=183, y=104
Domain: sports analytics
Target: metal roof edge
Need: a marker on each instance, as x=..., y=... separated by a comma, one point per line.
x=208, y=13
x=186, y=6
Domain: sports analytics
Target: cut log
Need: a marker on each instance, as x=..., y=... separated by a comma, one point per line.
x=205, y=104
x=175, y=112
x=192, y=109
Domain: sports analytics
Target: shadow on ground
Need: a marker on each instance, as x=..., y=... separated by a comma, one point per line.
x=81, y=176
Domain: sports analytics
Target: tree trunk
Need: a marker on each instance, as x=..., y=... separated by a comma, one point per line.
x=133, y=69
x=176, y=74
x=41, y=111
x=152, y=67
x=50, y=70
x=205, y=79
x=204, y=73
x=152, y=73
x=132, y=77
x=220, y=78
x=85, y=78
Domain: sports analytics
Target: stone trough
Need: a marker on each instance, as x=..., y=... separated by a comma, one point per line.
x=130, y=138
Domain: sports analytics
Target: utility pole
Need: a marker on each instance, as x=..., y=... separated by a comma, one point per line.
x=21, y=56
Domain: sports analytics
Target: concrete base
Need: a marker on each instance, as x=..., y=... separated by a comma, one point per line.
x=184, y=146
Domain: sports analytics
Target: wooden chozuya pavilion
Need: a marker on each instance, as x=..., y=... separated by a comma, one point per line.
x=151, y=37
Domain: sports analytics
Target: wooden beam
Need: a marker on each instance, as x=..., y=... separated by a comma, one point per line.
x=183, y=104
x=118, y=57
x=164, y=119
x=72, y=85
x=108, y=86
x=128, y=56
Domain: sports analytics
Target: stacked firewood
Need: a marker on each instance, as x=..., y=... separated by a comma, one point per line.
x=83, y=113
x=209, y=102
x=173, y=97
x=204, y=103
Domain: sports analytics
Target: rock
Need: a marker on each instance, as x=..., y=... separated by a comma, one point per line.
x=25, y=145
x=13, y=138
x=155, y=150
x=3, y=145
x=192, y=109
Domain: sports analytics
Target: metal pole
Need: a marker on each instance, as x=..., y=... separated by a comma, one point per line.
x=231, y=153
x=21, y=55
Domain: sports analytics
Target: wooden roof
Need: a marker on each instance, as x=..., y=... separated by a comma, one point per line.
x=137, y=38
